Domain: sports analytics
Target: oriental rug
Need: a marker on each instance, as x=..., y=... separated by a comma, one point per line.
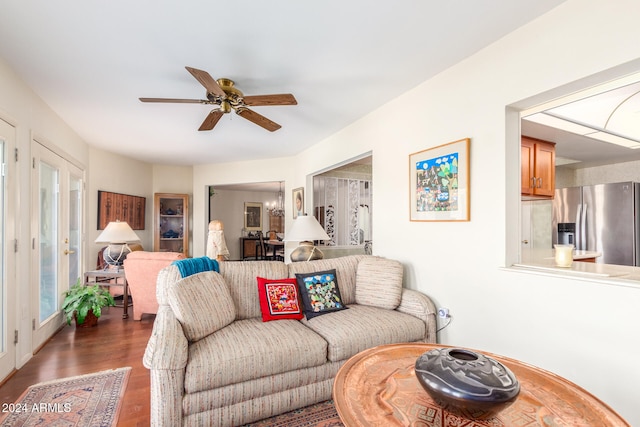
x=81, y=401
x=321, y=414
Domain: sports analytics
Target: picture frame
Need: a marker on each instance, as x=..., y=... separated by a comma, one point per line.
x=297, y=200
x=121, y=207
x=439, y=183
x=253, y=216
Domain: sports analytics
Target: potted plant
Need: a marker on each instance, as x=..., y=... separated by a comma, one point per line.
x=85, y=303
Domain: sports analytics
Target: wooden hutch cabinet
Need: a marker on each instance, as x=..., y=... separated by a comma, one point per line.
x=171, y=223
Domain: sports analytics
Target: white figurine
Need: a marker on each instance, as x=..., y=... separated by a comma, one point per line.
x=216, y=245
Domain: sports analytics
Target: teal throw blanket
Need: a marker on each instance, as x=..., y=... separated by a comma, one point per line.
x=191, y=266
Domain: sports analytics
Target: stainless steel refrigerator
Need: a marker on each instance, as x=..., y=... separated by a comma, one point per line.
x=600, y=218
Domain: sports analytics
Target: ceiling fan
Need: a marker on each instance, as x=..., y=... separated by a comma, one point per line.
x=227, y=97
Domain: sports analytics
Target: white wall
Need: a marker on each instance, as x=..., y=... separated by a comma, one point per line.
x=32, y=118
x=112, y=172
x=560, y=324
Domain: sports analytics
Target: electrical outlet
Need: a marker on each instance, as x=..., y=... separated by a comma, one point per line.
x=443, y=312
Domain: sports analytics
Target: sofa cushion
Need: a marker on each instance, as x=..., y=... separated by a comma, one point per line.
x=241, y=278
x=249, y=349
x=279, y=299
x=379, y=283
x=202, y=303
x=166, y=278
x=345, y=267
x=351, y=331
x=320, y=293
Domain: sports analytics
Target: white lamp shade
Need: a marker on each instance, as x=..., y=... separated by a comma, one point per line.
x=306, y=228
x=117, y=232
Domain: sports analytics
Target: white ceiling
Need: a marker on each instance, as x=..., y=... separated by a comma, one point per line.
x=613, y=109
x=90, y=61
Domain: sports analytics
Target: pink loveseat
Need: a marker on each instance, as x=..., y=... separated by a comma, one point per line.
x=141, y=269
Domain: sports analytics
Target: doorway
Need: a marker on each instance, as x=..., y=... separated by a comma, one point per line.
x=343, y=204
x=57, y=245
x=227, y=204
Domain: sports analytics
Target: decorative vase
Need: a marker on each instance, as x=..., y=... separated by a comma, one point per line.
x=463, y=379
x=306, y=252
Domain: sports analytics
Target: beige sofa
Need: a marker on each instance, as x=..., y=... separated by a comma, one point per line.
x=214, y=362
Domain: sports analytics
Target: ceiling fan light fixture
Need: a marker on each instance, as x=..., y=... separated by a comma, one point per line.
x=223, y=92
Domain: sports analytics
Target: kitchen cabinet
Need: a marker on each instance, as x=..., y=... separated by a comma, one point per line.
x=538, y=168
x=171, y=223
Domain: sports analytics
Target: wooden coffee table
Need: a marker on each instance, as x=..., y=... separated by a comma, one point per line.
x=378, y=387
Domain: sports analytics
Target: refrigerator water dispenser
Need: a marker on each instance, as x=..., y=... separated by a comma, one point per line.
x=566, y=233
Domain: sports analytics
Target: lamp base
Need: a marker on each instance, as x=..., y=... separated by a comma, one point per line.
x=115, y=254
x=306, y=252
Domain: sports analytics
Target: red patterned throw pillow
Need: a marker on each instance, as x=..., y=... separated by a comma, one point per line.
x=279, y=299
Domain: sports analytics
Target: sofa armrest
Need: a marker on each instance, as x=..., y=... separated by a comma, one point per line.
x=419, y=305
x=166, y=356
x=167, y=347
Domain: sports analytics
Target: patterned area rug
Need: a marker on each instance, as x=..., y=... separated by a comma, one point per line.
x=82, y=401
x=321, y=414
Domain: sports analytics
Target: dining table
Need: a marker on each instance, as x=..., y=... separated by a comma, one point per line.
x=273, y=245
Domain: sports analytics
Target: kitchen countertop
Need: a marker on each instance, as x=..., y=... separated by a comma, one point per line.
x=543, y=260
x=547, y=256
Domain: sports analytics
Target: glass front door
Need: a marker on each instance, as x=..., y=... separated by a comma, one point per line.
x=58, y=242
x=48, y=218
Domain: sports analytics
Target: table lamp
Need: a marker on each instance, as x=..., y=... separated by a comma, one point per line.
x=117, y=234
x=305, y=230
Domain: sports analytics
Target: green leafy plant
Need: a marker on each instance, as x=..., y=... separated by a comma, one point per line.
x=79, y=299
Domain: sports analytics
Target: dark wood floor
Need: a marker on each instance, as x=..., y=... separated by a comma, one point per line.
x=114, y=343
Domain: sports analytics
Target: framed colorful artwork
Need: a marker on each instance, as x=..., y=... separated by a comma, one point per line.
x=439, y=183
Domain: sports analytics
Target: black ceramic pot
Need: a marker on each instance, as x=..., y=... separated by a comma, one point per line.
x=463, y=379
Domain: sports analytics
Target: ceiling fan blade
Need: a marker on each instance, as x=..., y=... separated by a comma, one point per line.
x=279, y=99
x=207, y=81
x=181, y=101
x=211, y=120
x=258, y=119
